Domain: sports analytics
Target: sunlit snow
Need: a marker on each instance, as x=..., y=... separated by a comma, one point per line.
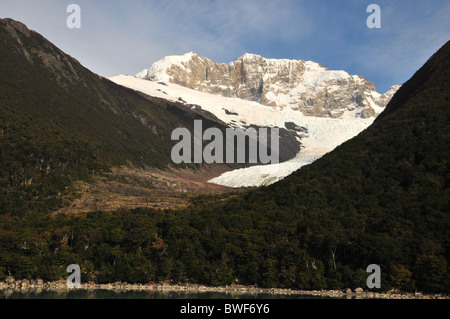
x=324, y=134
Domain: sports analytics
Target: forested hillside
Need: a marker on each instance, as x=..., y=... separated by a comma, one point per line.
x=60, y=123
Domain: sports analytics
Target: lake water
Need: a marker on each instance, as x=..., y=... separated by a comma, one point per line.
x=110, y=294
x=110, y=303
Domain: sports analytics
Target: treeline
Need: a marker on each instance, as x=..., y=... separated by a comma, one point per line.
x=241, y=241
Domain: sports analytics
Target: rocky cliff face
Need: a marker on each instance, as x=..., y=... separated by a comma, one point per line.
x=301, y=85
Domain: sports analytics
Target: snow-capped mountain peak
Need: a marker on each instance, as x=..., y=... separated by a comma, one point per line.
x=304, y=86
x=157, y=70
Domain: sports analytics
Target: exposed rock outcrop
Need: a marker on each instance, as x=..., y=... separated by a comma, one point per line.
x=301, y=85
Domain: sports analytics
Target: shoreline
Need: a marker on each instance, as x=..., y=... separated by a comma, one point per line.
x=12, y=285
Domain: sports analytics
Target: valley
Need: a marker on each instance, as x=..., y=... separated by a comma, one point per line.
x=129, y=188
x=87, y=176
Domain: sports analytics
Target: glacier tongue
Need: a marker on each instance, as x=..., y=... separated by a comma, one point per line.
x=262, y=175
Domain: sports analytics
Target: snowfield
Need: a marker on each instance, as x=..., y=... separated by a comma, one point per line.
x=323, y=134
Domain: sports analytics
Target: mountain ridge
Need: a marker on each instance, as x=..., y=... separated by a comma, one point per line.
x=301, y=85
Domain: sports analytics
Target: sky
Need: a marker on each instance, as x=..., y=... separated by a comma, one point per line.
x=125, y=37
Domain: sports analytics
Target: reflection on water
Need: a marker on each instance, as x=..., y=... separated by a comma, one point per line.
x=121, y=294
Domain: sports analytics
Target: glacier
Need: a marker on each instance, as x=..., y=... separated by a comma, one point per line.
x=323, y=133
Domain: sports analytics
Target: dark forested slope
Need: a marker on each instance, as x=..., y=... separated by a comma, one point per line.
x=59, y=122
x=382, y=197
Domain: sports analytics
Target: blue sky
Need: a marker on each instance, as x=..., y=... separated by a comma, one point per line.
x=124, y=37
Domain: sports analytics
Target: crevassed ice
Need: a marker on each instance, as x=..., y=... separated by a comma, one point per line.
x=324, y=134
